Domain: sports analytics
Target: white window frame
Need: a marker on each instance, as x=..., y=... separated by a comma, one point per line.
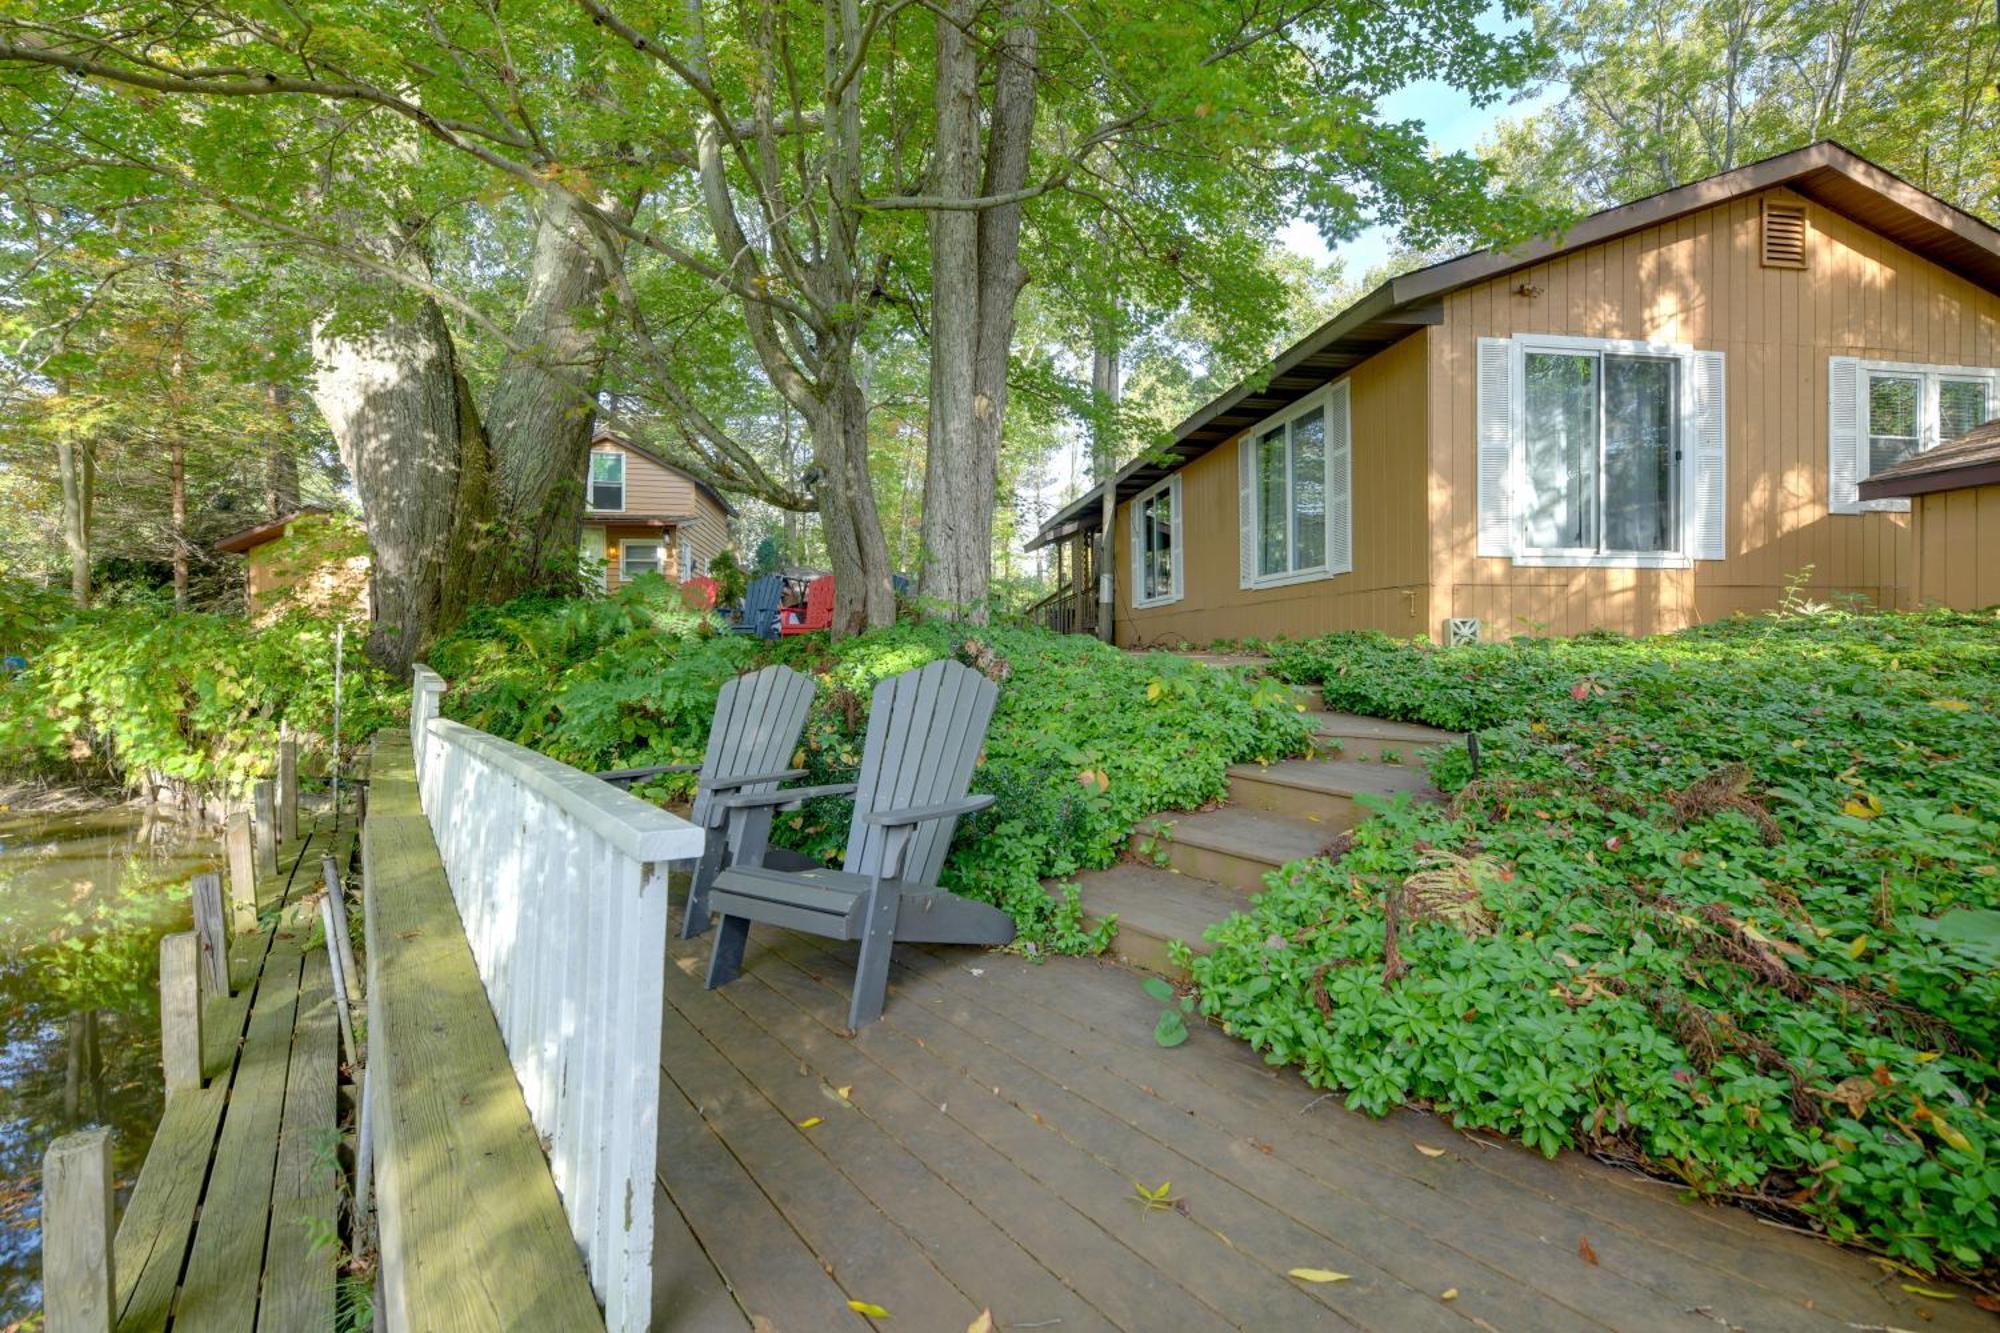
x=591, y=483
x=1684, y=444
x=625, y=545
x=1929, y=425
x=1334, y=563
x=1171, y=487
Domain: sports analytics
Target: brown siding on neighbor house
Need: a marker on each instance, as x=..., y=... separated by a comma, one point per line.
x=1956, y=541
x=663, y=493
x=650, y=488
x=1387, y=587
x=1698, y=280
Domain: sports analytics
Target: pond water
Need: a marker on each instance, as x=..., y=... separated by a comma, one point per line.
x=84, y=900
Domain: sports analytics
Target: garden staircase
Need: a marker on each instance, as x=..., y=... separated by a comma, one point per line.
x=1186, y=871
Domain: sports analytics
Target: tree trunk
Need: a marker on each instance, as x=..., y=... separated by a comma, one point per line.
x=863, y=593
x=281, y=465
x=177, y=484
x=976, y=280
x=1107, y=386
x=78, y=471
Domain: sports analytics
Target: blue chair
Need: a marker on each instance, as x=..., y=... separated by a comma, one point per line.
x=759, y=613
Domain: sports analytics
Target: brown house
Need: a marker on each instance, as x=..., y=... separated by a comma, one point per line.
x=1954, y=496
x=644, y=515
x=1658, y=420
x=309, y=559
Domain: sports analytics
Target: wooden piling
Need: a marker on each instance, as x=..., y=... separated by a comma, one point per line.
x=265, y=826
x=180, y=1011
x=288, y=790
x=242, y=876
x=210, y=928
x=78, y=1291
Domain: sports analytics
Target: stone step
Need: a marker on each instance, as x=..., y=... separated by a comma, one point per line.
x=1154, y=904
x=1359, y=737
x=1232, y=846
x=1320, y=789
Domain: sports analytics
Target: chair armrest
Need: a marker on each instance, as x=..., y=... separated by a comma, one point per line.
x=923, y=814
x=784, y=799
x=750, y=779
x=628, y=775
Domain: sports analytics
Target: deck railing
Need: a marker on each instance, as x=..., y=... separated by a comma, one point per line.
x=561, y=883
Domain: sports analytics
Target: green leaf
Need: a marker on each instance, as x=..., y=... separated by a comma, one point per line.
x=1171, y=1030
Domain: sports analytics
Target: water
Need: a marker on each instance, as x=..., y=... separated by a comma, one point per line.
x=84, y=900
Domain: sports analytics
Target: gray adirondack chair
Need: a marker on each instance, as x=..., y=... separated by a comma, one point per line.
x=758, y=718
x=925, y=729
x=759, y=613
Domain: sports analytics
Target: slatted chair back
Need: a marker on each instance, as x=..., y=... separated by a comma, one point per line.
x=758, y=717
x=698, y=593
x=925, y=731
x=818, y=611
x=760, y=607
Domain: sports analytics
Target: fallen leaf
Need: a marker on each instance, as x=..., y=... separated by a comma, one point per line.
x=1429, y=1151
x=1862, y=805
x=1448, y=1294
x=868, y=1308
x=1859, y=947
x=1929, y=1294
x=983, y=1324
x=1317, y=1275
x=1951, y=705
x=812, y=1120
x=1584, y=1252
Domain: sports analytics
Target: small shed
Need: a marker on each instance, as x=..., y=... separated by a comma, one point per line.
x=1954, y=497
x=308, y=559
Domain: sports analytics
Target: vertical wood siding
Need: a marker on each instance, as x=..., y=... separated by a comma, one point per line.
x=1697, y=280
x=1956, y=539
x=1387, y=588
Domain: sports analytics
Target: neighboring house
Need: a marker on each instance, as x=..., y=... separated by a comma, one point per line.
x=309, y=559
x=1954, y=496
x=644, y=515
x=1658, y=420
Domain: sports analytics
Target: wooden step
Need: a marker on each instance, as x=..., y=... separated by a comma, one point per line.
x=1359, y=737
x=1320, y=789
x=1232, y=846
x=1154, y=904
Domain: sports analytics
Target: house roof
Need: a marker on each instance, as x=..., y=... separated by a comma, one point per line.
x=652, y=456
x=1826, y=173
x=241, y=542
x=1973, y=459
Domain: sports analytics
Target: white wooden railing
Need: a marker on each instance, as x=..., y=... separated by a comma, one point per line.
x=561, y=883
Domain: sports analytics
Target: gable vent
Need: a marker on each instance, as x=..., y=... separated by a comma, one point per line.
x=1784, y=234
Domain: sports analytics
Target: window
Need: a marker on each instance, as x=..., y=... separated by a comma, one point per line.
x=690, y=568
x=636, y=558
x=1294, y=493
x=1594, y=452
x=1156, y=548
x=1882, y=412
x=607, y=480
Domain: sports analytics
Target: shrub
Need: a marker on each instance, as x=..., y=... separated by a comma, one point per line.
x=1719, y=903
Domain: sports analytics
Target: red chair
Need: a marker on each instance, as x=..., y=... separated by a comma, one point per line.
x=817, y=612
x=699, y=593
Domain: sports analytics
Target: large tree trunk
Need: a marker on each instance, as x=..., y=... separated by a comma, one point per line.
x=178, y=504
x=78, y=471
x=976, y=280
x=1106, y=387
x=863, y=593
x=400, y=413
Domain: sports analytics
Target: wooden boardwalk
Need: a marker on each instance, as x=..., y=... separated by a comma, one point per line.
x=979, y=1148
x=231, y=1224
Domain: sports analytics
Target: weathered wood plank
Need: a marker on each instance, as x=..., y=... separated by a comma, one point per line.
x=242, y=875
x=211, y=928
x=473, y=1233
x=181, y=1051
x=288, y=790
x=77, y=1286
x=160, y=1216
x=264, y=824
x=305, y=1198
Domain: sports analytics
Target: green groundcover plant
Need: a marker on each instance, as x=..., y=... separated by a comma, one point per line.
x=1085, y=740
x=140, y=695
x=1721, y=904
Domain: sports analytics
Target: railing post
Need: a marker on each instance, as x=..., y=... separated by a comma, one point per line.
x=77, y=1286
x=288, y=790
x=180, y=1012
x=211, y=930
x=242, y=875
x=265, y=825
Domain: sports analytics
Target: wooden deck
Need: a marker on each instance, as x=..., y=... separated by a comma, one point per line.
x=228, y=1226
x=979, y=1148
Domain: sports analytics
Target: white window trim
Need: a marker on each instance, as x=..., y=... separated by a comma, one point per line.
x=591, y=484
x=1172, y=485
x=1335, y=564
x=1928, y=427
x=1684, y=441
x=659, y=565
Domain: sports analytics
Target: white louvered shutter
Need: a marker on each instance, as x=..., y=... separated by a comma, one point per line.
x=1137, y=533
x=1246, y=512
x=1711, y=459
x=1339, y=483
x=1180, y=540
x=1846, y=440
x=1496, y=447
